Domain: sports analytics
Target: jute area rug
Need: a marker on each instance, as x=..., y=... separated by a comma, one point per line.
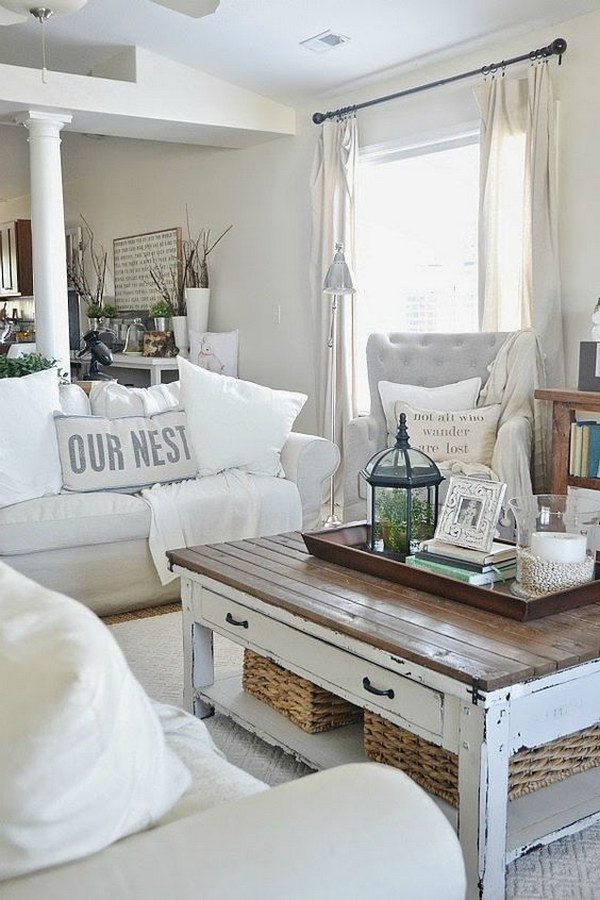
x=566, y=870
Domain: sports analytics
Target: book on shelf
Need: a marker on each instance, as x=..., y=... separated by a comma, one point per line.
x=594, y=459
x=461, y=573
x=584, y=449
x=499, y=552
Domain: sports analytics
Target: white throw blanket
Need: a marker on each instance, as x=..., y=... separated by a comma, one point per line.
x=517, y=371
x=230, y=506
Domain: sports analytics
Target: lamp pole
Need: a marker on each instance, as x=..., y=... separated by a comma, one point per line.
x=338, y=282
x=332, y=520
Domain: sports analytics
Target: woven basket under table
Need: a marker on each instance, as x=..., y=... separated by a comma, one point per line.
x=436, y=769
x=305, y=704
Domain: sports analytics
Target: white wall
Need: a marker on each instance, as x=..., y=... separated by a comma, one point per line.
x=124, y=187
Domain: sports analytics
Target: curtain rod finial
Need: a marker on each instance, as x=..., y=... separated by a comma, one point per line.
x=318, y=118
x=559, y=46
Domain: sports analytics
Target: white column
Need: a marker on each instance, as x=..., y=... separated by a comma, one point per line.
x=48, y=234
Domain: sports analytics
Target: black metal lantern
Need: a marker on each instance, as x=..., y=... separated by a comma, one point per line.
x=404, y=486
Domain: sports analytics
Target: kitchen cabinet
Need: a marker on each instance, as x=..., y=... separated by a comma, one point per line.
x=16, y=270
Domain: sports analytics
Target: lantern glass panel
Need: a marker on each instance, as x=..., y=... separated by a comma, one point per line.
x=402, y=518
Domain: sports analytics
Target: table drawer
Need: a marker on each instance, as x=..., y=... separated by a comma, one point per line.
x=346, y=674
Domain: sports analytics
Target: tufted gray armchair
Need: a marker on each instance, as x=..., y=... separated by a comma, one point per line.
x=425, y=359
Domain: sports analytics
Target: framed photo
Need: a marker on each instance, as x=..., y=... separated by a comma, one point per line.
x=470, y=514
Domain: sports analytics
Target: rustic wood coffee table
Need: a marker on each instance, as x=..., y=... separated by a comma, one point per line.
x=477, y=684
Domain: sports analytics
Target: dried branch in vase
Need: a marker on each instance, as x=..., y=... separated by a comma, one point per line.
x=92, y=295
x=196, y=252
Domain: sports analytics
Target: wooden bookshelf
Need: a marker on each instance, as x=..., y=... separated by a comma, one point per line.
x=564, y=406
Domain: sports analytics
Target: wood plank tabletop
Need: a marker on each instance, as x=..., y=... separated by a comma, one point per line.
x=470, y=645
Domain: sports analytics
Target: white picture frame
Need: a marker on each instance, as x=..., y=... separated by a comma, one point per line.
x=133, y=255
x=470, y=513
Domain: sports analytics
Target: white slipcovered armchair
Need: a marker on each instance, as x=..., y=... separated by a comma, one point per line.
x=431, y=360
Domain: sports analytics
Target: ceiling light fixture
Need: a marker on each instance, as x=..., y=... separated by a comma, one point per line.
x=196, y=9
x=12, y=12
x=42, y=14
x=326, y=40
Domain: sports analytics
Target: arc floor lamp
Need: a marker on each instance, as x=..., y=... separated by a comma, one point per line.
x=338, y=282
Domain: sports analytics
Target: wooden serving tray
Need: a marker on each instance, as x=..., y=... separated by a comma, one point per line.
x=346, y=545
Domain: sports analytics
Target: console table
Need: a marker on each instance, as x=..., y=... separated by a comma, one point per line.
x=564, y=406
x=155, y=366
x=479, y=685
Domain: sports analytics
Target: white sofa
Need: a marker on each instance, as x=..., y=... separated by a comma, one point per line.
x=218, y=833
x=355, y=832
x=94, y=546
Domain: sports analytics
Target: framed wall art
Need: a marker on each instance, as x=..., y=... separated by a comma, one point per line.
x=133, y=256
x=470, y=513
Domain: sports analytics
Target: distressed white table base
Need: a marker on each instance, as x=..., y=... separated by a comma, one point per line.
x=484, y=729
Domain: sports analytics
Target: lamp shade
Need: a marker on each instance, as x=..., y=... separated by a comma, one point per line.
x=338, y=279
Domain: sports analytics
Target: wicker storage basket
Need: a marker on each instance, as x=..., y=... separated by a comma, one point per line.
x=436, y=769
x=307, y=705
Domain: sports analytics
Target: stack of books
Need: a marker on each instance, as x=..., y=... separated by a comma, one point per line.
x=470, y=566
x=584, y=449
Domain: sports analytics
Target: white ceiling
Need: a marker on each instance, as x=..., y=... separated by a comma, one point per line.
x=254, y=43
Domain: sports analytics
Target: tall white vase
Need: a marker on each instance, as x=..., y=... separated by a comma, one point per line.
x=182, y=337
x=197, y=302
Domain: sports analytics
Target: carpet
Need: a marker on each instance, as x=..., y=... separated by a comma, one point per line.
x=568, y=869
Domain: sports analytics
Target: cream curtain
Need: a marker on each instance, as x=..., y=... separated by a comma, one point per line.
x=519, y=277
x=333, y=192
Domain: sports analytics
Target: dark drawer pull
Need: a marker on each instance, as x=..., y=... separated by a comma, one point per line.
x=373, y=690
x=231, y=621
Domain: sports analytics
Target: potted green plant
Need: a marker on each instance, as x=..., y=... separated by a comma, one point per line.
x=94, y=312
x=393, y=518
x=18, y=366
x=160, y=312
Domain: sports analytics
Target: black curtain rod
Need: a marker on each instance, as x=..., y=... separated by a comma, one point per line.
x=556, y=48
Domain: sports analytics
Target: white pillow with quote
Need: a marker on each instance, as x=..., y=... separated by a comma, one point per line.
x=459, y=395
x=98, y=453
x=468, y=435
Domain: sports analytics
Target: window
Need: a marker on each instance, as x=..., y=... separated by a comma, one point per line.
x=417, y=244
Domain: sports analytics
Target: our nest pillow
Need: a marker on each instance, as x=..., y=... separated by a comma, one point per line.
x=123, y=453
x=29, y=464
x=236, y=424
x=83, y=758
x=468, y=435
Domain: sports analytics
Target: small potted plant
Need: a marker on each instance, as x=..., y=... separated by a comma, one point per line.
x=393, y=520
x=160, y=312
x=110, y=314
x=18, y=366
x=94, y=312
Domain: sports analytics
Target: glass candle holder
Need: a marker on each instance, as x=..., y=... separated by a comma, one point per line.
x=556, y=544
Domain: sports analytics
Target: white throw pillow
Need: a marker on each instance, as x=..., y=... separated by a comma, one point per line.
x=215, y=351
x=235, y=424
x=97, y=453
x=29, y=464
x=460, y=395
x=83, y=758
x=468, y=435
x=111, y=399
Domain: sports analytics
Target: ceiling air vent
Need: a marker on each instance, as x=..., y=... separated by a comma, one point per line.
x=325, y=41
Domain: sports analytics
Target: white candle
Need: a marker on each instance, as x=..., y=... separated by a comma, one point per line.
x=558, y=546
